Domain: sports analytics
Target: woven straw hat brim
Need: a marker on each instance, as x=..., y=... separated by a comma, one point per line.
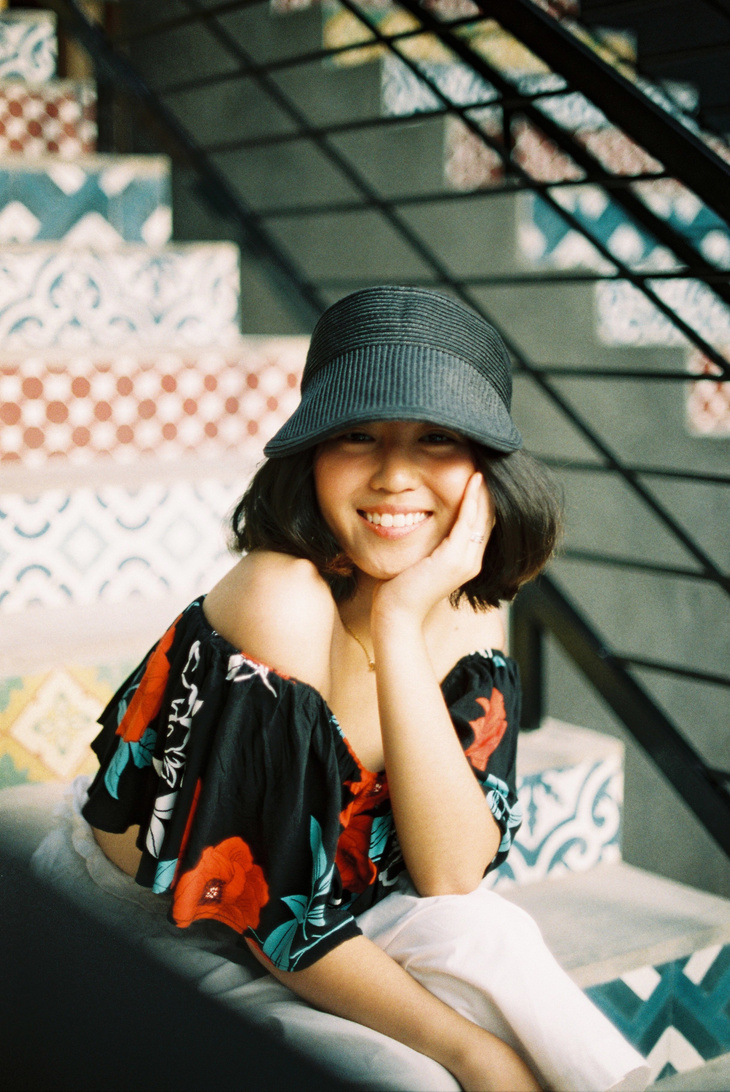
x=397, y=382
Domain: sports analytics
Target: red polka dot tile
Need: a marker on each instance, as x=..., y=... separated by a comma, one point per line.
x=56, y=117
x=86, y=407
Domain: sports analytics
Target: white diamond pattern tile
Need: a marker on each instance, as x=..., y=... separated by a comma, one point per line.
x=179, y=296
x=113, y=543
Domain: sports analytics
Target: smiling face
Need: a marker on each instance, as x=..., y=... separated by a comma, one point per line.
x=390, y=491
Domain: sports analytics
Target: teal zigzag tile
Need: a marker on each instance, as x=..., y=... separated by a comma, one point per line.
x=93, y=199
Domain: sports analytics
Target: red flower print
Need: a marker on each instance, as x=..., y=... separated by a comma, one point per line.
x=147, y=698
x=356, y=869
x=488, y=730
x=225, y=885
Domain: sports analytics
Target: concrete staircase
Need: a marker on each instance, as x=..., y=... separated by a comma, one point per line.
x=133, y=413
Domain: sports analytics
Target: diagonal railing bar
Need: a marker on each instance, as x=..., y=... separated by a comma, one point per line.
x=595, y=557
x=431, y=259
x=583, y=466
x=636, y=208
x=658, y=225
x=632, y=479
x=666, y=138
x=301, y=296
x=544, y=605
x=673, y=669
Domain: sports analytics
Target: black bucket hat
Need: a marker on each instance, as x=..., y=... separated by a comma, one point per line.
x=397, y=353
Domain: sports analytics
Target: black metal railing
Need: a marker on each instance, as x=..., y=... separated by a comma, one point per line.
x=674, y=149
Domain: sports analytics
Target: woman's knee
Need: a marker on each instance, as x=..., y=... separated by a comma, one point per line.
x=481, y=920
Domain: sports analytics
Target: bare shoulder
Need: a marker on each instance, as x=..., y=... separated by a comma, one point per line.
x=279, y=610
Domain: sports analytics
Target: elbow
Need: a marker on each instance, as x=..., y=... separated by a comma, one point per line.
x=431, y=886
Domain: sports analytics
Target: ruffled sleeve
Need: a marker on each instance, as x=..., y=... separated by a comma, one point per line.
x=234, y=774
x=483, y=696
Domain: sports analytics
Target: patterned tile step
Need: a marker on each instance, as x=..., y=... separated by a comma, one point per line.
x=111, y=543
x=676, y=1014
x=713, y=1076
x=653, y=954
x=27, y=45
x=80, y=407
x=175, y=297
x=571, y=792
x=626, y=317
x=547, y=240
x=708, y=401
x=471, y=165
x=94, y=201
x=48, y=720
x=57, y=117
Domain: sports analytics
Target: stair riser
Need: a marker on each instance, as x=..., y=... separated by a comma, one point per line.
x=84, y=407
x=74, y=299
x=54, y=118
x=88, y=202
x=111, y=544
x=571, y=822
x=27, y=46
x=675, y=1014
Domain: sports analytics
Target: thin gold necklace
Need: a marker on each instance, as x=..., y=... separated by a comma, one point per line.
x=371, y=662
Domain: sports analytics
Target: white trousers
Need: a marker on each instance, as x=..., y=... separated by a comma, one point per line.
x=478, y=953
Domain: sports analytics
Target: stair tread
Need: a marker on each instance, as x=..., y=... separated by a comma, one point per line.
x=609, y=920
x=714, y=1076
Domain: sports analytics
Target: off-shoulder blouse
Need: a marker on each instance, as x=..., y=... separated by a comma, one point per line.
x=253, y=808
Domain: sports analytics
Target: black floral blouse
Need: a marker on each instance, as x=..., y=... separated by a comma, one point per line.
x=253, y=808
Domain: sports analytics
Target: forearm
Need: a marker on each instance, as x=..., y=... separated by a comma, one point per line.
x=447, y=833
x=359, y=982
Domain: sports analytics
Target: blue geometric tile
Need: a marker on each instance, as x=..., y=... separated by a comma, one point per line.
x=118, y=198
x=549, y=241
x=27, y=45
x=676, y=1014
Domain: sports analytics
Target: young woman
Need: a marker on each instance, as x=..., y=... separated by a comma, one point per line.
x=320, y=752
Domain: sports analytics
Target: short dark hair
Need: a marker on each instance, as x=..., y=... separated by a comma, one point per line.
x=279, y=511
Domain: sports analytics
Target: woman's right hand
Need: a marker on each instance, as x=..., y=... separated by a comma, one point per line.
x=457, y=559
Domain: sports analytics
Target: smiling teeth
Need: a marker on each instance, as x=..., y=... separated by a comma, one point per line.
x=401, y=519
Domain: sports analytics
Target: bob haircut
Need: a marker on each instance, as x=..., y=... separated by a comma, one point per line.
x=279, y=511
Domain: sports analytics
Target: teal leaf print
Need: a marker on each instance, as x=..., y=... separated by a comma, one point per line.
x=142, y=750
x=309, y=912
x=319, y=857
x=379, y=834
x=164, y=876
x=297, y=903
x=115, y=769
x=279, y=942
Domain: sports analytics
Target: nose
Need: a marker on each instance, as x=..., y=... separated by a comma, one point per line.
x=395, y=470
